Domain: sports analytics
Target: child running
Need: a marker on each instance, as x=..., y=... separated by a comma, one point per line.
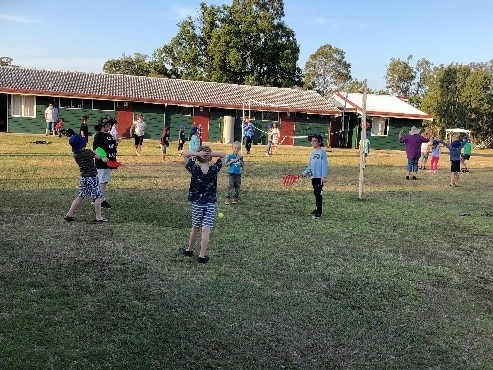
x=435, y=155
x=455, y=149
x=164, y=143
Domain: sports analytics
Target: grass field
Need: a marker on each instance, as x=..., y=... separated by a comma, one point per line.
x=395, y=280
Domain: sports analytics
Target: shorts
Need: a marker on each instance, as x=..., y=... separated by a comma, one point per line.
x=425, y=155
x=454, y=166
x=104, y=175
x=89, y=187
x=203, y=214
x=163, y=148
x=465, y=157
x=138, y=140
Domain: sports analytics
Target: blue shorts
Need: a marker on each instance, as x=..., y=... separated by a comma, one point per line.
x=203, y=214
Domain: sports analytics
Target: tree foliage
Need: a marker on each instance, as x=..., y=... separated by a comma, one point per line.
x=460, y=96
x=400, y=76
x=6, y=61
x=327, y=70
x=245, y=43
x=127, y=65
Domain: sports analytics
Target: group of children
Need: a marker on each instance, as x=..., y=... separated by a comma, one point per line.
x=95, y=174
x=459, y=152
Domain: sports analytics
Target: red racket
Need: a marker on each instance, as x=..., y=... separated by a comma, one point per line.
x=113, y=164
x=289, y=180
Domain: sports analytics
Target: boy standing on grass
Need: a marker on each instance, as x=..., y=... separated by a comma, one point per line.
x=203, y=196
x=164, y=143
x=88, y=182
x=466, y=154
x=454, y=149
x=318, y=167
x=235, y=163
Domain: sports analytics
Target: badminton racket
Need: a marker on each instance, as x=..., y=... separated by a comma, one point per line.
x=289, y=180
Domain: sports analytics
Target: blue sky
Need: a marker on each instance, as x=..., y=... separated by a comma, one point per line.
x=82, y=35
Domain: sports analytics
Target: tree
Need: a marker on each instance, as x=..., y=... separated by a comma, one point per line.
x=245, y=43
x=327, y=71
x=400, y=76
x=6, y=61
x=137, y=66
x=460, y=96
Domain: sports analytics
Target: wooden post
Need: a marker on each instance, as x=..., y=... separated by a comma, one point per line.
x=362, y=144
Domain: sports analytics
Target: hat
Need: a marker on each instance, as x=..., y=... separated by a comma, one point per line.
x=85, y=116
x=456, y=144
x=77, y=143
x=194, y=130
x=318, y=137
x=414, y=130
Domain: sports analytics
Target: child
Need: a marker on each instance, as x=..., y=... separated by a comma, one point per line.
x=318, y=167
x=268, y=150
x=203, y=196
x=435, y=155
x=455, y=149
x=194, y=144
x=59, y=127
x=425, y=152
x=114, y=131
x=275, y=136
x=235, y=164
x=84, y=128
x=366, y=149
x=466, y=155
x=88, y=182
x=181, y=138
x=164, y=143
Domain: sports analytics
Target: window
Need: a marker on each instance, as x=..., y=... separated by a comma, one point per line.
x=270, y=116
x=380, y=126
x=186, y=111
x=103, y=104
x=24, y=106
x=70, y=103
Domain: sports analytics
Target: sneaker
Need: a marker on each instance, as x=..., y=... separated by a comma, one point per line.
x=100, y=220
x=414, y=178
x=186, y=252
x=234, y=201
x=204, y=259
x=407, y=177
x=316, y=216
x=314, y=212
x=105, y=204
x=69, y=218
x=227, y=202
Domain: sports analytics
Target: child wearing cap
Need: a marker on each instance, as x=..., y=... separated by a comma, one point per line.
x=455, y=149
x=318, y=168
x=88, y=182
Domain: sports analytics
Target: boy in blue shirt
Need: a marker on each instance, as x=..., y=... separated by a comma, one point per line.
x=235, y=164
x=318, y=167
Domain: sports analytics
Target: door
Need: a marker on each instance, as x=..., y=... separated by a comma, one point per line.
x=125, y=118
x=286, y=129
x=201, y=120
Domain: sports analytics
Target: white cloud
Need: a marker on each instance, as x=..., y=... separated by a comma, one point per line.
x=15, y=18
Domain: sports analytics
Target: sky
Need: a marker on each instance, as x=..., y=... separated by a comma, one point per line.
x=82, y=35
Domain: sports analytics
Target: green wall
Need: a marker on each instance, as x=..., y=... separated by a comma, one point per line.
x=306, y=124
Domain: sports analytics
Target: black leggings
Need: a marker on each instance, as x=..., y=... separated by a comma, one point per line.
x=317, y=191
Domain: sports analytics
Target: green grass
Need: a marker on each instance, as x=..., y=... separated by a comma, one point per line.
x=395, y=280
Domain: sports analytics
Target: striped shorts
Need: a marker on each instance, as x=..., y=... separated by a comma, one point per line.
x=203, y=214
